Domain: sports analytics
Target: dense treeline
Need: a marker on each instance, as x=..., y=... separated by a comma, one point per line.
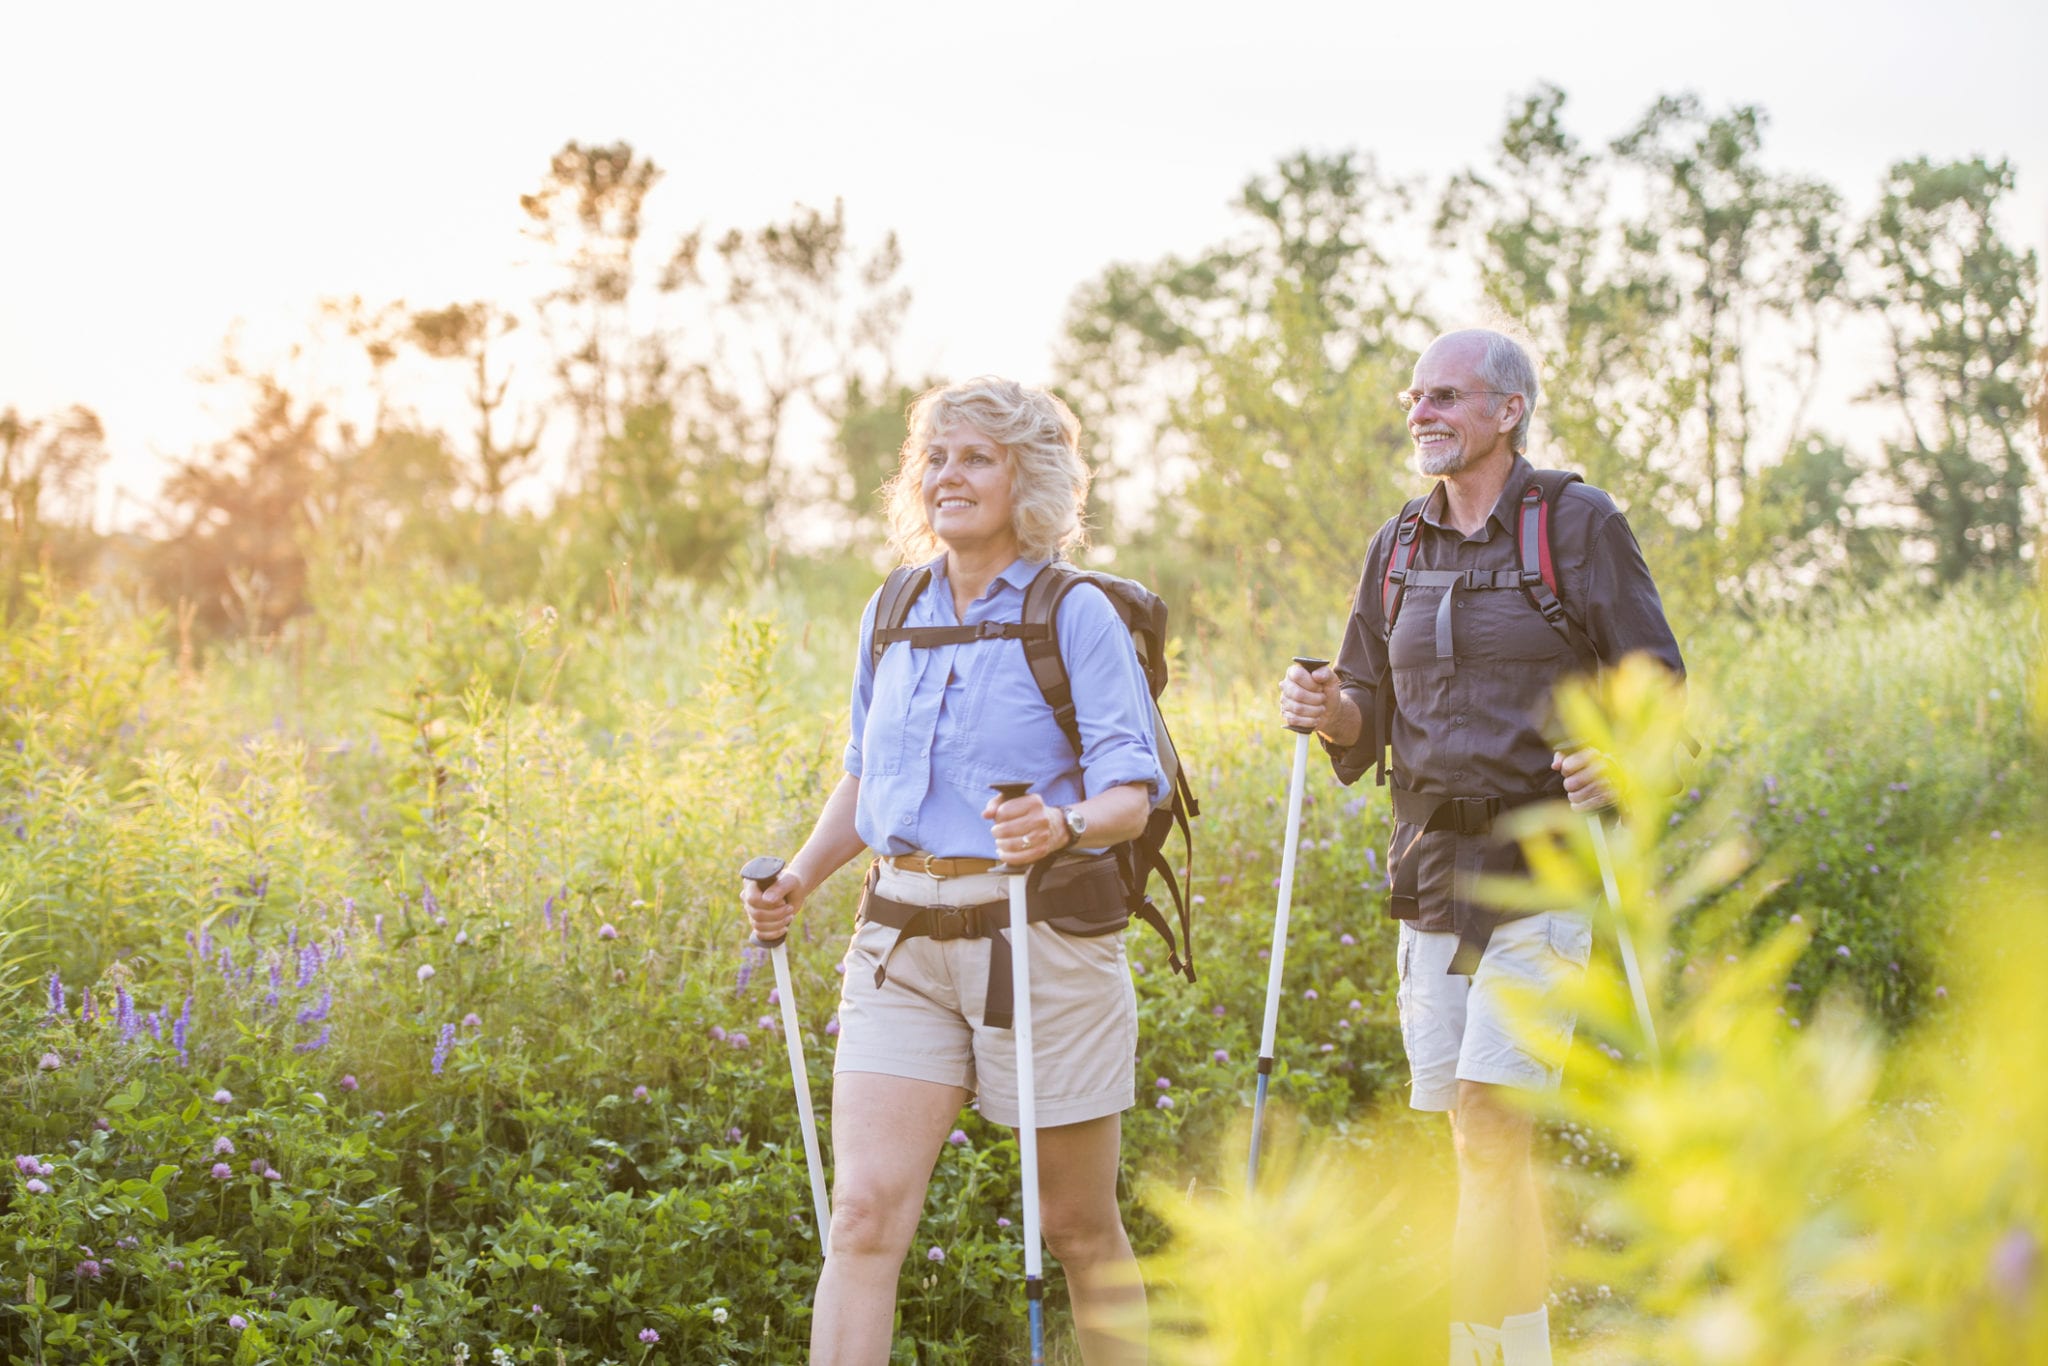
x=725, y=399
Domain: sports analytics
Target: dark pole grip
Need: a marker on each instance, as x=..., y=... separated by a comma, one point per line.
x=761, y=871
x=1311, y=663
x=1011, y=791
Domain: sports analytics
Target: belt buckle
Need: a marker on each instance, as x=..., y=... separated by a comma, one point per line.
x=923, y=865
x=948, y=922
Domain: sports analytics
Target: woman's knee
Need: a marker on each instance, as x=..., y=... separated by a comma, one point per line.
x=1083, y=1235
x=873, y=1220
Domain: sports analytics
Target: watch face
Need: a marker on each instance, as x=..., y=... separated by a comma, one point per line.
x=1076, y=822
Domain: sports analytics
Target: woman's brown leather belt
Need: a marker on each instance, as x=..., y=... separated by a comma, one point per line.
x=931, y=865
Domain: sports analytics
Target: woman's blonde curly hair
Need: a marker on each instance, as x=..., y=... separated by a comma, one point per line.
x=1039, y=436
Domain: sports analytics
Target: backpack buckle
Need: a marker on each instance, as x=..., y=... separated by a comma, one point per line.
x=1473, y=815
x=952, y=922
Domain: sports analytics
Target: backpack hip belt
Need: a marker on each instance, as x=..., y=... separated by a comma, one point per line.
x=1088, y=892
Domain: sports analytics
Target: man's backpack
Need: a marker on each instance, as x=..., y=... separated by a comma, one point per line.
x=1535, y=576
x=1144, y=614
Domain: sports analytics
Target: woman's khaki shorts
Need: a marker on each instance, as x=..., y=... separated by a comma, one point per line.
x=925, y=1020
x=1505, y=1023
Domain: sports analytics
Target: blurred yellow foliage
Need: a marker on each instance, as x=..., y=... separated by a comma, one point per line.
x=1783, y=1194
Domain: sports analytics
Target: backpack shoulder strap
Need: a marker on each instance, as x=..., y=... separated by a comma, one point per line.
x=1394, y=585
x=1042, y=649
x=904, y=586
x=1538, y=569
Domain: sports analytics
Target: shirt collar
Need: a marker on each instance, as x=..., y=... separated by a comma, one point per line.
x=1018, y=574
x=1520, y=475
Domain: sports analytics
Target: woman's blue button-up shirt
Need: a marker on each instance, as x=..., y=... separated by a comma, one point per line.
x=934, y=728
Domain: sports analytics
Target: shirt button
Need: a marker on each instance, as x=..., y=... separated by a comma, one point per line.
x=906, y=821
x=1457, y=774
x=1457, y=720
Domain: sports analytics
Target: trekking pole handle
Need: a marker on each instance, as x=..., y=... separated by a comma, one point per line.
x=1311, y=663
x=761, y=871
x=1009, y=792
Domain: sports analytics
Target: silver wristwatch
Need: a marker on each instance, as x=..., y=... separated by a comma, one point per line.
x=1077, y=825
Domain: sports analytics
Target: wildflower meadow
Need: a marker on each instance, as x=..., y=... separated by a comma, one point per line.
x=377, y=992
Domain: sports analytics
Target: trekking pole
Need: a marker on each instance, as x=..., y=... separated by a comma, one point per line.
x=1027, y=1088
x=762, y=871
x=1295, y=784
x=1630, y=967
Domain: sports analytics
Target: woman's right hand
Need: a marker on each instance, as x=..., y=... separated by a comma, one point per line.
x=772, y=909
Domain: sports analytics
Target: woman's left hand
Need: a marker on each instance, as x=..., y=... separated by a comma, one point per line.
x=1026, y=829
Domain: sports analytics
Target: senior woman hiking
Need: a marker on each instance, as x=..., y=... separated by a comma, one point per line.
x=988, y=492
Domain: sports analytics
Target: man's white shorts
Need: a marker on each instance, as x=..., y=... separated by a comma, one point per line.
x=1505, y=1024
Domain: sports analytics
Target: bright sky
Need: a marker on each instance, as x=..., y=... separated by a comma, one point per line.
x=176, y=168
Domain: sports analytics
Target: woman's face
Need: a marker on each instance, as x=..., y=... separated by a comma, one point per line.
x=967, y=490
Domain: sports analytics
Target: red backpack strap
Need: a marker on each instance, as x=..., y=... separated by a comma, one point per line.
x=1538, y=569
x=1394, y=585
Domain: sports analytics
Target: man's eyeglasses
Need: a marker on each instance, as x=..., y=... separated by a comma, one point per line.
x=1443, y=396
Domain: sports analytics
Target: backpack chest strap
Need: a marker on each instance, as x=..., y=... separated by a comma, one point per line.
x=931, y=637
x=1451, y=581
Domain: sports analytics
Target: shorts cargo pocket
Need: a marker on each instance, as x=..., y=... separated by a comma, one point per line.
x=1571, y=937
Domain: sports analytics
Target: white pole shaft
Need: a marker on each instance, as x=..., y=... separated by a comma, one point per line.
x=1630, y=966
x=792, y=1033
x=1027, y=1081
x=1279, y=952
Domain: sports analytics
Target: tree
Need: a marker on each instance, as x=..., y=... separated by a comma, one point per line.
x=1754, y=258
x=47, y=470
x=232, y=545
x=812, y=310
x=1958, y=305
x=588, y=212
x=1266, y=369
x=1589, y=296
x=465, y=332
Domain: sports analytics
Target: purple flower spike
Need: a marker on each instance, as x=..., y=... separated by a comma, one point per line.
x=315, y=1044
x=86, y=1014
x=1163, y=1103
x=832, y=1025
x=607, y=931
x=1220, y=1055
x=56, y=994
x=737, y=1040
x=937, y=1254
x=957, y=1137
x=649, y=1335
x=223, y=1146
x=1164, y=1083
x=237, y=1322
x=50, y=1062
x=27, y=1164
x=222, y=1171
x=441, y=1049
x=36, y=1187
x=87, y=1270
x=1001, y=1222
x=223, y=1097
x=640, y=1093
x=348, y=1081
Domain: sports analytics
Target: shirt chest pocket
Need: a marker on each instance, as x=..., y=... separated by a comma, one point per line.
x=1490, y=625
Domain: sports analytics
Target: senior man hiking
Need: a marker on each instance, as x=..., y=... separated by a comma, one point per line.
x=1475, y=601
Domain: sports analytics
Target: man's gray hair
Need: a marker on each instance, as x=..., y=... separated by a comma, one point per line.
x=1507, y=369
